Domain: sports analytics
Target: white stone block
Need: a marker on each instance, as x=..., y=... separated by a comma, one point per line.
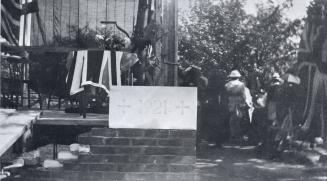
x=52, y=164
x=66, y=155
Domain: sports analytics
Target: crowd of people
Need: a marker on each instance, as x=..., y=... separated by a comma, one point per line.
x=264, y=116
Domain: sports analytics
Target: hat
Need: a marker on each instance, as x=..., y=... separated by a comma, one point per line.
x=290, y=78
x=235, y=74
x=276, y=77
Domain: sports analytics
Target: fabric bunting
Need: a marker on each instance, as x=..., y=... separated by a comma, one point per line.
x=312, y=58
x=10, y=19
x=97, y=68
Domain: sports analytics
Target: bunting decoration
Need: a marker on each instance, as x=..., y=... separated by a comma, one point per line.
x=97, y=68
x=312, y=58
x=16, y=21
x=10, y=21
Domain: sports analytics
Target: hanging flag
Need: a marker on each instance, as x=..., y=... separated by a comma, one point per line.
x=313, y=61
x=28, y=7
x=16, y=21
x=313, y=42
x=97, y=68
x=10, y=17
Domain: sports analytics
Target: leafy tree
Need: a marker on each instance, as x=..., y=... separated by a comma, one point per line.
x=221, y=37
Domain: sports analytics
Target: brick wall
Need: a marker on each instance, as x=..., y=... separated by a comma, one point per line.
x=139, y=150
x=128, y=154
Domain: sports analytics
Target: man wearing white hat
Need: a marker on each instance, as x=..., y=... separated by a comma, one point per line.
x=239, y=99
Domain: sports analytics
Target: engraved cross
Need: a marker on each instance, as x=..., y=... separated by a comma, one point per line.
x=124, y=106
x=182, y=107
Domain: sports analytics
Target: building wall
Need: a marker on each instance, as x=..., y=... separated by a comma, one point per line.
x=58, y=17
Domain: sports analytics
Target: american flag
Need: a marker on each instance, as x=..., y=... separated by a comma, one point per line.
x=97, y=68
x=16, y=21
x=312, y=59
x=10, y=20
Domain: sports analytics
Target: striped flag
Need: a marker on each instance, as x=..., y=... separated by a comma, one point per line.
x=312, y=59
x=97, y=68
x=10, y=20
x=16, y=21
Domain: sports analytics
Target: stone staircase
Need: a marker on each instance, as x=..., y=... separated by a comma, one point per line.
x=126, y=155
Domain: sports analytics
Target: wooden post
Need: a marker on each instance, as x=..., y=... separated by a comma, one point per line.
x=174, y=40
x=158, y=79
x=26, y=77
x=164, y=54
x=170, y=42
x=85, y=101
x=25, y=40
x=1, y=83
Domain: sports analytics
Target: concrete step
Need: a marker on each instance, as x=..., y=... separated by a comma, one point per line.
x=139, y=141
x=131, y=158
x=147, y=133
x=143, y=150
x=64, y=175
x=129, y=167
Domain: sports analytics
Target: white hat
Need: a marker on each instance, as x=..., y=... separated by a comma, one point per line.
x=290, y=78
x=276, y=75
x=235, y=74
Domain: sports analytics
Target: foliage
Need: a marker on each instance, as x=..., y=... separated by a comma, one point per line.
x=104, y=38
x=108, y=40
x=222, y=37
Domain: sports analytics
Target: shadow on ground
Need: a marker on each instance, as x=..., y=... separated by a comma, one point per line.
x=234, y=163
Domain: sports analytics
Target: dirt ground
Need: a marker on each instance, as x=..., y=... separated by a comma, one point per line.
x=242, y=163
